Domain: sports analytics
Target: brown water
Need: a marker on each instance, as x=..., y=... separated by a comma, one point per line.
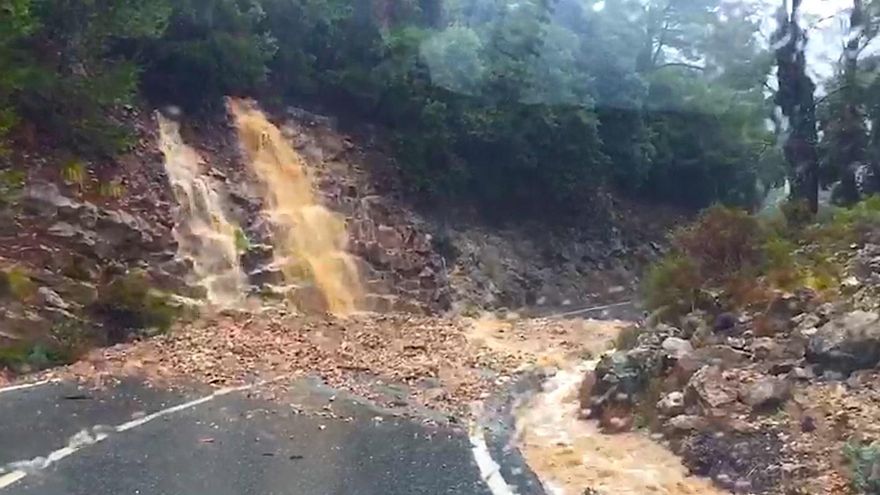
x=204, y=234
x=310, y=240
x=570, y=455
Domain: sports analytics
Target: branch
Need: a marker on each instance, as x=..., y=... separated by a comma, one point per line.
x=661, y=41
x=831, y=93
x=681, y=64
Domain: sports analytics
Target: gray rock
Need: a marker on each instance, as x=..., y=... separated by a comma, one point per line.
x=677, y=348
x=847, y=343
x=684, y=422
x=51, y=298
x=767, y=348
x=721, y=355
x=766, y=393
x=672, y=404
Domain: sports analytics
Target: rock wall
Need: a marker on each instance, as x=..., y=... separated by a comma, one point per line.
x=441, y=260
x=75, y=227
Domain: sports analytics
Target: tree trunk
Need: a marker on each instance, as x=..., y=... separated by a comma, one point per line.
x=796, y=100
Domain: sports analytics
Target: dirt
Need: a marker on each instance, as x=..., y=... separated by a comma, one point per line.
x=444, y=364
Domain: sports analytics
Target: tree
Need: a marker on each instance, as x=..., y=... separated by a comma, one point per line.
x=210, y=49
x=795, y=98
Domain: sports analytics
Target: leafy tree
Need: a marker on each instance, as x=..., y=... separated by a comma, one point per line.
x=17, y=22
x=211, y=48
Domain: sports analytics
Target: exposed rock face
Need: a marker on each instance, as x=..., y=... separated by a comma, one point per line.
x=848, y=343
x=412, y=260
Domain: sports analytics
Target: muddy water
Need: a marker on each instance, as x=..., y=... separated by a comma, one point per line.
x=204, y=234
x=568, y=454
x=310, y=240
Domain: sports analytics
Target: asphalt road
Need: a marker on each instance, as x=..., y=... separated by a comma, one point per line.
x=58, y=439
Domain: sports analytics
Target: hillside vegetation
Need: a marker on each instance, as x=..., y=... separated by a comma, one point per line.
x=538, y=103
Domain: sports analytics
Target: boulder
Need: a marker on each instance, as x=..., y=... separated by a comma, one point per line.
x=766, y=393
x=687, y=423
x=710, y=389
x=672, y=404
x=51, y=298
x=389, y=237
x=677, y=348
x=767, y=348
x=847, y=343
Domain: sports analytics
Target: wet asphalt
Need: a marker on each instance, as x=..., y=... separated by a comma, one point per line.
x=234, y=444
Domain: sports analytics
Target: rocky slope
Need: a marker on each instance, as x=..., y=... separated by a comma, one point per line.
x=782, y=399
x=89, y=257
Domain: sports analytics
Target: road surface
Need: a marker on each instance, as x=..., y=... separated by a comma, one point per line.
x=59, y=439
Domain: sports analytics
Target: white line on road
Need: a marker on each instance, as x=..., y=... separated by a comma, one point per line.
x=589, y=310
x=25, y=386
x=97, y=434
x=489, y=469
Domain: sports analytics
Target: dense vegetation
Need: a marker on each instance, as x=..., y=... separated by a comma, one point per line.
x=727, y=259
x=514, y=104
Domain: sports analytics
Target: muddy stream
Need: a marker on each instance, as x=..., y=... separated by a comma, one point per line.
x=568, y=454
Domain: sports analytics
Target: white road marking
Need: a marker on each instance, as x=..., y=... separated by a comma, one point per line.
x=25, y=386
x=588, y=310
x=489, y=469
x=98, y=434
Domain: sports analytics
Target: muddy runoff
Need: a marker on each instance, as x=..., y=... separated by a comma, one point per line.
x=571, y=456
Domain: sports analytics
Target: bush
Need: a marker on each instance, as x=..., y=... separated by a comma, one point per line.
x=11, y=184
x=742, y=261
x=862, y=460
x=129, y=303
x=722, y=242
x=674, y=282
x=30, y=357
x=16, y=283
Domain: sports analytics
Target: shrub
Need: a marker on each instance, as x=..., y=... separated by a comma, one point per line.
x=780, y=264
x=862, y=460
x=129, y=303
x=627, y=338
x=29, y=357
x=11, y=184
x=674, y=282
x=722, y=242
x=16, y=283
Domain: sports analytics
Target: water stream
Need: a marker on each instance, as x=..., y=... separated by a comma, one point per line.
x=204, y=234
x=310, y=240
x=571, y=455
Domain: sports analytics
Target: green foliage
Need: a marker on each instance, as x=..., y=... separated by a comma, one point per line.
x=863, y=460
x=130, y=303
x=519, y=107
x=62, y=72
x=15, y=282
x=674, y=282
x=30, y=357
x=75, y=173
x=11, y=184
x=742, y=259
x=242, y=243
x=211, y=48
